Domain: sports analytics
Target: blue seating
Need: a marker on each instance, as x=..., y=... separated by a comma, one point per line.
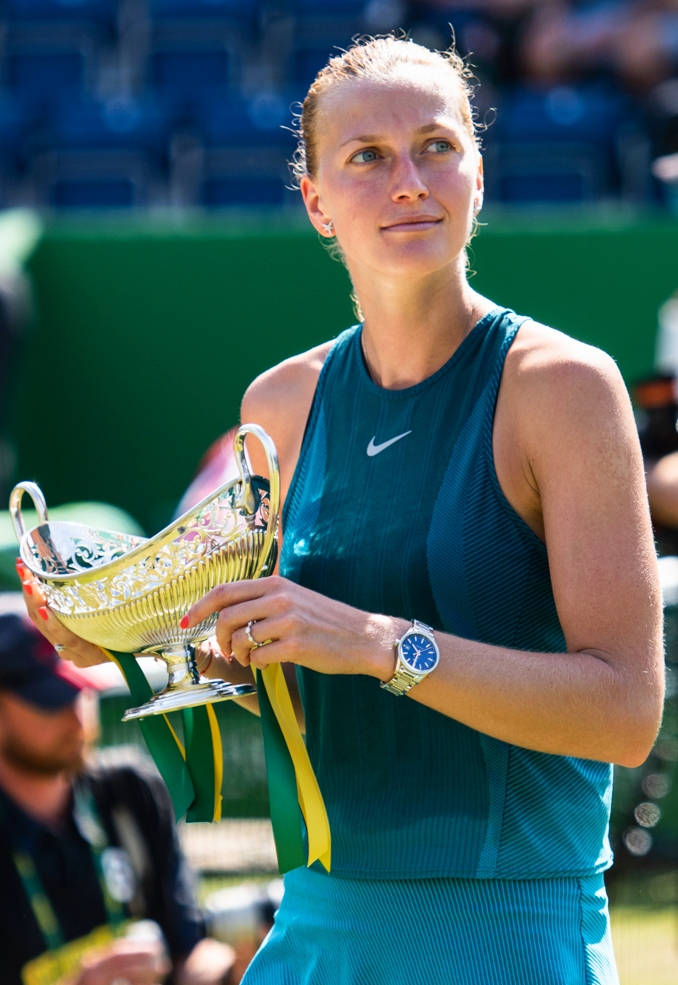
x=554, y=145
x=62, y=10
x=584, y=112
x=246, y=147
x=187, y=117
x=239, y=10
x=116, y=123
x=244, y=191
x=182, y=75
x=235, y=120
x=88, y=192
x=330, y=8
x=15, y=122
x=97, y=179
x=39, y=74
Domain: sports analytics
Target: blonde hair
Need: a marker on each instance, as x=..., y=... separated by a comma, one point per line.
x=375, y=59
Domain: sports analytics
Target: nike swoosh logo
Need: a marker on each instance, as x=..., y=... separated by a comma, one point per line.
x=373, y=449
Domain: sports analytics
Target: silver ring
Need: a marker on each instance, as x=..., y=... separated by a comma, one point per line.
x=248, y=630
x=254, y=643
x=59, y=647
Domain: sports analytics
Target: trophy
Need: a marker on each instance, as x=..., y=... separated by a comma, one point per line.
x=129, y=593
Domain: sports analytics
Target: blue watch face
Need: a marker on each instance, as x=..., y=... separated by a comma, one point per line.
x=419, y=652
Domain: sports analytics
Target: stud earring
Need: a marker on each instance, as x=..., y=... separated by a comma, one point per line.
x=328, y=227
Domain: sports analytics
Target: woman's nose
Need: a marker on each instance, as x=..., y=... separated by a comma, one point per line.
x=408, y=183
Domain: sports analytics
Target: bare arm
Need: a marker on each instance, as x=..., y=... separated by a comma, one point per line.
x=583, y=486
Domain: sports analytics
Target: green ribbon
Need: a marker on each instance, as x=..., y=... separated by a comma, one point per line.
x=286, y=817
x=192, y=777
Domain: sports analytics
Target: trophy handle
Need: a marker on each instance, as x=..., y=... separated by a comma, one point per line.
x=246, y=499
x=39, y=502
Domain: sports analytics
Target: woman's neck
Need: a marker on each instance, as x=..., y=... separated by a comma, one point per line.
x=408, y=335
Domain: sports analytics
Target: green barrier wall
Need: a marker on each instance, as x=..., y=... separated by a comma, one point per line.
x=146, y=335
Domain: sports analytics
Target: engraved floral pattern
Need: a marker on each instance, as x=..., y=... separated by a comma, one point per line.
x=137, y=602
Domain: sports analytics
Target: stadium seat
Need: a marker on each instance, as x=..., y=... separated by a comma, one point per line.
x=556, y=145
x=114, y=123
x=237, y=120
x=541, y=172
x=182, y=74
x=96, y=180
x=37, y=74
x=234, y=191
x=27, y=11
x=329, y=8
x=242, y=11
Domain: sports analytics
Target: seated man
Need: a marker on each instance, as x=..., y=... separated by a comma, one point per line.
x=94, y=889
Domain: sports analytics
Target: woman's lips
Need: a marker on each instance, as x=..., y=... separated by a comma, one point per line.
x=411, y=224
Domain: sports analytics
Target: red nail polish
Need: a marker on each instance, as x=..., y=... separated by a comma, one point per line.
x=20, y=568
x=27, y=587
x=184, y=623
x=42, y=611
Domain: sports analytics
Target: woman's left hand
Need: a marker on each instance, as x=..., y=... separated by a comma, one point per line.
x=292, y=624
x=71, y=647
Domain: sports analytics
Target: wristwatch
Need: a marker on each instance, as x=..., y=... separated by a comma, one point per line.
x=417, y=654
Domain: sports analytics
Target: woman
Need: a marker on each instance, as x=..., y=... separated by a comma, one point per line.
x=448, y=462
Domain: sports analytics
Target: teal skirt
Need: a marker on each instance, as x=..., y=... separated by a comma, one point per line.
x=331, y=931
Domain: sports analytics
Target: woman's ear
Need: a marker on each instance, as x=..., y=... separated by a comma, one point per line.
x=320, y=220
x=480, y=187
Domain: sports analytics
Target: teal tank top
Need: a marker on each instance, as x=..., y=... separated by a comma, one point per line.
x=421, y=529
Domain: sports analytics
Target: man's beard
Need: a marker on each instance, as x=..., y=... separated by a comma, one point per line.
x=22, y=757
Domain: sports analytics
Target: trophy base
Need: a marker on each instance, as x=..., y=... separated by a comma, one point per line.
x=178, y=698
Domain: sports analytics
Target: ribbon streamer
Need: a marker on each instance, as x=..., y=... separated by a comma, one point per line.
x=293, y=785
x=194, y=777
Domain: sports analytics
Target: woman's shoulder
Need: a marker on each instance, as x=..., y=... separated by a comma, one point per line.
x=544, y=356
x=288, y=383
x=556, y=382
x=279, y=400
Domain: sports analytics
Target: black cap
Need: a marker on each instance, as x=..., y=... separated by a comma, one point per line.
x=31, y=668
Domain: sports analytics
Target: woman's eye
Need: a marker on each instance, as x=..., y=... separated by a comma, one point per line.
x=365, y=156
x=439, y=146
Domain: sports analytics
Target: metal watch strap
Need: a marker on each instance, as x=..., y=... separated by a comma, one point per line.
x=401, y=682
x=404, y=679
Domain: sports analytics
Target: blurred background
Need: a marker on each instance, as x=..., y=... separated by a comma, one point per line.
x=153, y=259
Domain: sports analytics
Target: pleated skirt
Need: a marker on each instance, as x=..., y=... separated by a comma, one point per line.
x=331, y=931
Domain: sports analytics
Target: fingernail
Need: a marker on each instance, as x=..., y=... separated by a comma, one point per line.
x=27, y=587
x=20, y=568
x=42, y=611
x=184, y=623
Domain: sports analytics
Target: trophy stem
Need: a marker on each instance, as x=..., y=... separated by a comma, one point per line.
x=185, y=687
x=181, y=668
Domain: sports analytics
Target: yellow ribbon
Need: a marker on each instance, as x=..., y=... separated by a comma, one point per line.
x=194, y=785
x=217, y=753
x=308, y=792
x=309, y=796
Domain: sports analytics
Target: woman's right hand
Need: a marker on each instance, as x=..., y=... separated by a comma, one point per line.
x=70, y=646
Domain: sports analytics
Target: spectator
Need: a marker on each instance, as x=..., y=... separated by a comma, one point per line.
x=94, y=886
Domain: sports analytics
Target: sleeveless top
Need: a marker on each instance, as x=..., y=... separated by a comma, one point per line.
x=395, y=508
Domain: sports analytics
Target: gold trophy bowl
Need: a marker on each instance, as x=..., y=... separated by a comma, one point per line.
x=129, y=593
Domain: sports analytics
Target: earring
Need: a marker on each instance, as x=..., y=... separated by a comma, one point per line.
x=328, y=227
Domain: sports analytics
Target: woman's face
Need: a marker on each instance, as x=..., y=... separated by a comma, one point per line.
x=398, y=173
